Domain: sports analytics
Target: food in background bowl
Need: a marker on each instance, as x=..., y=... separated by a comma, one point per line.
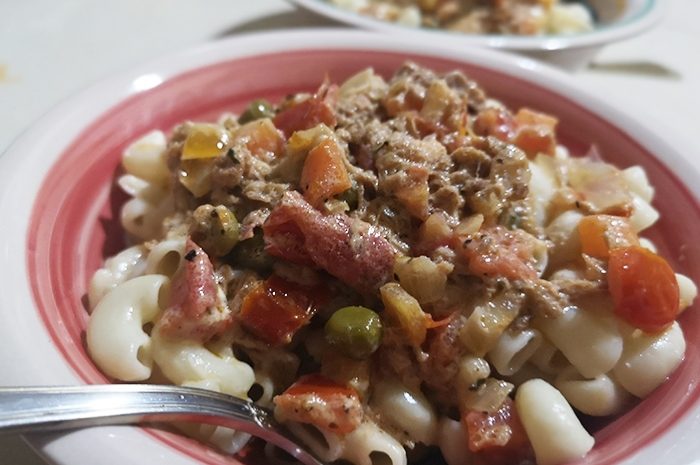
x=614, y=21
x=519, y=17
x=382, y=259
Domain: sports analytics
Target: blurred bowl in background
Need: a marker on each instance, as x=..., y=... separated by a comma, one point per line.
x=616, y=20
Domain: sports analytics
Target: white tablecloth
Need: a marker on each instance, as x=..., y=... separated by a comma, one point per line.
x=51, y=49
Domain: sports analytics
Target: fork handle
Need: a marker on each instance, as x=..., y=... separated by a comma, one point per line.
x=32, y=409
x=24, y=409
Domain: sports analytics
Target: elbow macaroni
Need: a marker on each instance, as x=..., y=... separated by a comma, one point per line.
x=406, y=410
x=648, y=360
x=115, y=336
x=554, y=431
x=588, y=339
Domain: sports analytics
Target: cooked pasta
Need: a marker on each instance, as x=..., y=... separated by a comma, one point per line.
x=388, y=265
x=556, y=434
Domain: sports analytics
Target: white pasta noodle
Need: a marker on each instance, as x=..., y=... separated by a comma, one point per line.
x=589, y=339
x=370, y=445
x=542, y=188
x=566, y=274
x=165, y=257
x=143, y=215
x=548, y=358
x=514, y=348
x=145, y=158
x=325, y=445
x=647, y=244
x=228, y=440
x=687, y=290
x=600, y=396
x=472, y=370
x=115, y=337
x=452, y=442
x=405, y=410
x=638, y=183
x=555, y=433
x=126, y=264
x=643, y=214
x=185, y=362
x=648, y=360
x=529, y=371
x=563, y=232
x=540, y=254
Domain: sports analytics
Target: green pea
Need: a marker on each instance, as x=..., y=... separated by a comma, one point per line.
x=257, y=109
x=354, y=331
x=350, y=197
x=215, y=229
x=250, y=253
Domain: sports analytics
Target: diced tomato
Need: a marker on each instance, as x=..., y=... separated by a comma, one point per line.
x=321, y=402
x=194, y=310
x=261, y=138
x=495, y=122
x=276, y=309
x=349, y=249
x=497, y=438
x=498, y=251
x=324, y=174
x=305, y=115
x=534, y=140
x=643, y=287
x=528, y=117
x=536, y=132
x=531, y=131
x=601, y=233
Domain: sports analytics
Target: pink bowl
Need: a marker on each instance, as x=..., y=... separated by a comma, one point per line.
x=73, y=222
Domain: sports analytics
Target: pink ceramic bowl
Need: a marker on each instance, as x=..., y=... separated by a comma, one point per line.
x=59, y=208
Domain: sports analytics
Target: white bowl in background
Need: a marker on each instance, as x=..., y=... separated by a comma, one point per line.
x=618, y=20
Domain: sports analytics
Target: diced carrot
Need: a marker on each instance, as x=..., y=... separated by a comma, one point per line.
x=324, y=174
x=601, y=233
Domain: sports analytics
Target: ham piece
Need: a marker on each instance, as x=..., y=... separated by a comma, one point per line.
x=347, y=248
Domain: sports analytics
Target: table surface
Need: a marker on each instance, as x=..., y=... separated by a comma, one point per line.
x=51, y=49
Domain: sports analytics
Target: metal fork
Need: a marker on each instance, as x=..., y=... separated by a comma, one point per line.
x=33, y=409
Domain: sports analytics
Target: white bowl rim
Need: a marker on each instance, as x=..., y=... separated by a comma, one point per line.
x=26, y=162
x=652, y=12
